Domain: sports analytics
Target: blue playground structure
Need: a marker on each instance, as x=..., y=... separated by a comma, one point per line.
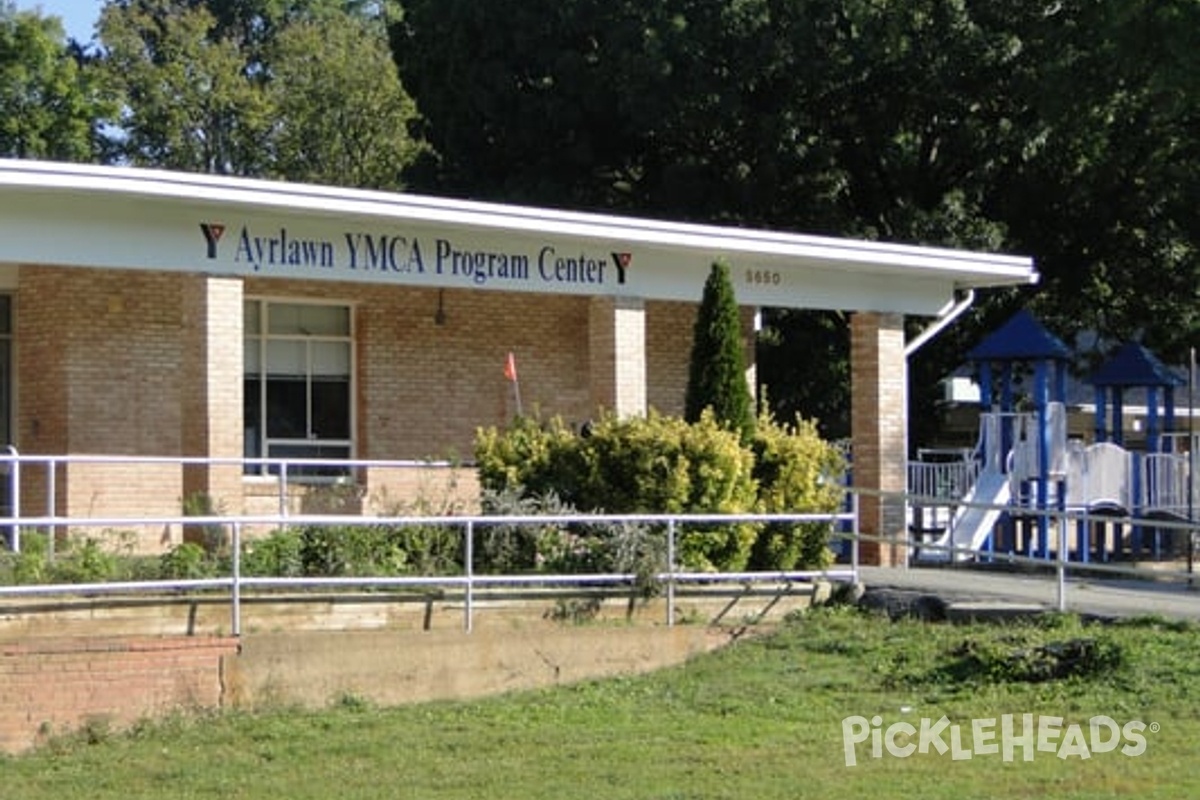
x=990, y=499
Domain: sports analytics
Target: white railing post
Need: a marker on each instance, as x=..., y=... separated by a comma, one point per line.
x=468, y=565
x=14, y=488
x=671, y=572
x=236, y=579
x=855, y=533
x=51, y=505
x=283, y=492
x=1061, y=567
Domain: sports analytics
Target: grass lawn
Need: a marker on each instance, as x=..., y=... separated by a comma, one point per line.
x=761, y=719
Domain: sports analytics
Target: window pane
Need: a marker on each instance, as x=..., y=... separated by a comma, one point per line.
x=327, y=320
x=287, y=408
x=331, y=359
x=250, y=357
x=252, y=444
x=252, y=317
x=315, y=451
x=303, y=354
x=287, y=358
x=331, y=408
x=308, y=320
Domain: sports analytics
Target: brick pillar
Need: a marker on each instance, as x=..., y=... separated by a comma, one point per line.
x=212, y=375
x=877, y=419
x=617, y=353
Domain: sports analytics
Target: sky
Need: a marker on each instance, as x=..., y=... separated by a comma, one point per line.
x=78, y=16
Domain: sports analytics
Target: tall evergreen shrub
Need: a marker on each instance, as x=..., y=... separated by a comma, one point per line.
x=717, y=373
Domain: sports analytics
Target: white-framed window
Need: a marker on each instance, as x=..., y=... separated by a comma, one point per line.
x=299, y=384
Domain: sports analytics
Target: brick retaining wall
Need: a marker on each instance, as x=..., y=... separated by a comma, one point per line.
x=52, y=686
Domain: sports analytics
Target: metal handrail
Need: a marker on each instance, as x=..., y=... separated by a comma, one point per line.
x=235, y=582
x=283, y=473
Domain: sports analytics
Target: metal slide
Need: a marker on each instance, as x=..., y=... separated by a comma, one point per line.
x=974, y=518
x=980, y=511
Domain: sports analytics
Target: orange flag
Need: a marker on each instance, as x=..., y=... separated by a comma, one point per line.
x=510, y=368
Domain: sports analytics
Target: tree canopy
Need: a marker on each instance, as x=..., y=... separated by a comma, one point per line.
x=49, y=106
x=1058, y=130
x=301, y=91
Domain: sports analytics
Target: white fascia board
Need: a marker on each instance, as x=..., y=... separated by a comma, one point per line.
x=937, y=269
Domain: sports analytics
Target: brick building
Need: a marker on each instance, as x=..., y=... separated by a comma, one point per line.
x=161, y=314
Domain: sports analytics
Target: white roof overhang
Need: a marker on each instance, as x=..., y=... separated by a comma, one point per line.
x=124, y=218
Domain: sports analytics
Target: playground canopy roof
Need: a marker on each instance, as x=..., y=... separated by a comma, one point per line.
x=125, y=218
x=1022, y=338
x=1134, y=365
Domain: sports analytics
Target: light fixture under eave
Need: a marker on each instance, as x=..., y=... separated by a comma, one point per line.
x=439, y=316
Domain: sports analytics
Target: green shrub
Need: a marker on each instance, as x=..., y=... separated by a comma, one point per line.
x=31, y=565
x=84, y=560
x=652, y=464
x=186, y=561
x=428, y=549
x=539, y=456
x=717, y=369
x=277, y=555
x=503, y=548
x=797, y=472
x=351, y=550
x=658, y=464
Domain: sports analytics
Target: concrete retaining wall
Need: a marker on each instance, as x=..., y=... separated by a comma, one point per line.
x=73, y=662
x=315, y=669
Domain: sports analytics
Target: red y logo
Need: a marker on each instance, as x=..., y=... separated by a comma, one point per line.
x=213, y=231
x=622, y=260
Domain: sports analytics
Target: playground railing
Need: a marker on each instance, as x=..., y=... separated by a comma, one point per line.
x=1080, y=530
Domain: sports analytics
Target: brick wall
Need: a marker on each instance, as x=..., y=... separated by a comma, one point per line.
x=211, y=372
x=54, y=686
x=424, y=388
x=878, y=419
x=143, y=363
x=98, y=356
x=670, y=327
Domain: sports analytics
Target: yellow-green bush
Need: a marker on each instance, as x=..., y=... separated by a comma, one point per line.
x=797, y=472
x=539, y=456
x=659, y=464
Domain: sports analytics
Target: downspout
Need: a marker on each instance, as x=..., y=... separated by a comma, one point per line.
x=952, y=311
x=949, y=313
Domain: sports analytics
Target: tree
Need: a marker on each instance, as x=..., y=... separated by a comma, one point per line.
x=1057, y=130
x=347, y=116
x=300, y=91
x=815, y=386
x=50, y=106
x=1107, y=196
x=188, y=103
x=717, y=374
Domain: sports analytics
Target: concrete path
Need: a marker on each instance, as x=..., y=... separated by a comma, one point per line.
x=1085, y=595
